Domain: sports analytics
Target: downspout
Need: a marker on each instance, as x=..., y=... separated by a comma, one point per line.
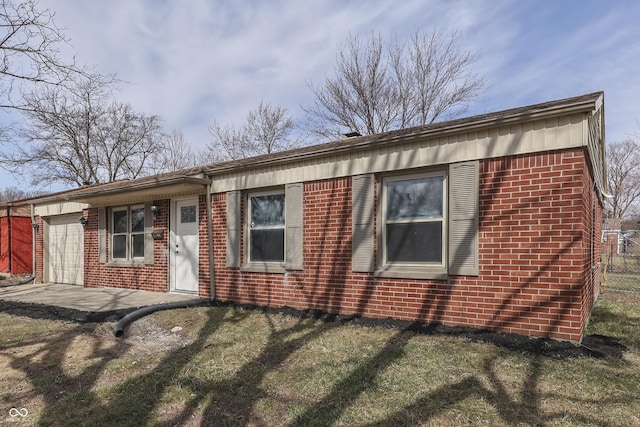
x=212, y=275
x=34, y=232
x=9, y=238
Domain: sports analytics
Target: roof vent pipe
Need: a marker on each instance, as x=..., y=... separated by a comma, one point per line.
x=352, y=134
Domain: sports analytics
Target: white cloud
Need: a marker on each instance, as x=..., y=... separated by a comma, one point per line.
x=189, y=62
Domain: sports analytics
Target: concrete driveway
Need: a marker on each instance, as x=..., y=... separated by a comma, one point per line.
x=105, y=301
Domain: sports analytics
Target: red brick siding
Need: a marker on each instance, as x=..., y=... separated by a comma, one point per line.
x=532, y=255
x=204, y=281
x=592, y=235
x=153, y=277
x=532, y=244
x=537, y=226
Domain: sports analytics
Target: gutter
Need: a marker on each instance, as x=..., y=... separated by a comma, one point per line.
x=121, y=187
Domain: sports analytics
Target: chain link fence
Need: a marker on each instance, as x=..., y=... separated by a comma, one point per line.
x=621, y=261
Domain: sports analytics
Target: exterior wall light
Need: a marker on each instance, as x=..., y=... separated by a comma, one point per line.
x=155, y=209
x=83, y=220
x=35, y=226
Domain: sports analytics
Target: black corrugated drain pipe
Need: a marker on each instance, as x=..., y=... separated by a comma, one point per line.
x=118, y=330
x=24, y=281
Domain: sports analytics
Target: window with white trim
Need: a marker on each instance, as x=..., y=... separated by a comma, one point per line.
x=266, y=226
x=127, y=233
x=414, y=213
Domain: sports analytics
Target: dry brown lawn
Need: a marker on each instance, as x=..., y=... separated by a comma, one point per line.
x=233, y=366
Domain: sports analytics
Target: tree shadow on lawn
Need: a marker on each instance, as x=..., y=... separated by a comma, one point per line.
x=513, y=408
x=45, y=366
x=137, y=399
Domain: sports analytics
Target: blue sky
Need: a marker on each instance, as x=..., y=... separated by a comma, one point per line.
x=192, y=61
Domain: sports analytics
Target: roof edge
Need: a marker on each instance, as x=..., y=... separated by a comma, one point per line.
x=86, y=192
x=584, y=103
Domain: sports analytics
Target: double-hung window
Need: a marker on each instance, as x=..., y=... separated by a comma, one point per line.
x=266, y=227
x=414, y=220
x=127, y=233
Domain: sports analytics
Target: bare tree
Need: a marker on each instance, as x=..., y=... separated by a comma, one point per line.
x=229, y=143
x=9, y=194
x=378, y=88
x=30, y=45
x=268, y=129
x=623, y=174
x=176, y=154
x=78, y=136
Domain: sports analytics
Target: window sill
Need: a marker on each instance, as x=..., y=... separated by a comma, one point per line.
x=412, y=272
x=264, y=267
x=125, y=263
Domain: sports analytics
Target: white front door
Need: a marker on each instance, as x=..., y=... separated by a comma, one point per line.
x=184, y=246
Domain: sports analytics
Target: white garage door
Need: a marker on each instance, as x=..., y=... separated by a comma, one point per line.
x=66, y=250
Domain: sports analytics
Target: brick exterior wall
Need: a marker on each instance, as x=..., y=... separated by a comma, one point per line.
x=204, y=278
x=148, y=278
x=153, y=277
x=539, y=251
x=537, y=226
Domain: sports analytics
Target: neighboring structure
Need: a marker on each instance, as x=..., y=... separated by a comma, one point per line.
x=16, y=248
x=612, y=237
x=631, y=243
x=617, y=242
x=492, y=221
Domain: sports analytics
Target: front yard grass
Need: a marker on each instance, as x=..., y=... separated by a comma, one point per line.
x=230, y=366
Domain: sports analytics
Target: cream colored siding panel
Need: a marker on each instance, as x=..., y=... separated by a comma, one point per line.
x=564, y=129
x=506, y=140
x=526, y=136
x=551, y=133
x=538, y=135
x=61, y=208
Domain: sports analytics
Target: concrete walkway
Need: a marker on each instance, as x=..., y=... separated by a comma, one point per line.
x=92, y=300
